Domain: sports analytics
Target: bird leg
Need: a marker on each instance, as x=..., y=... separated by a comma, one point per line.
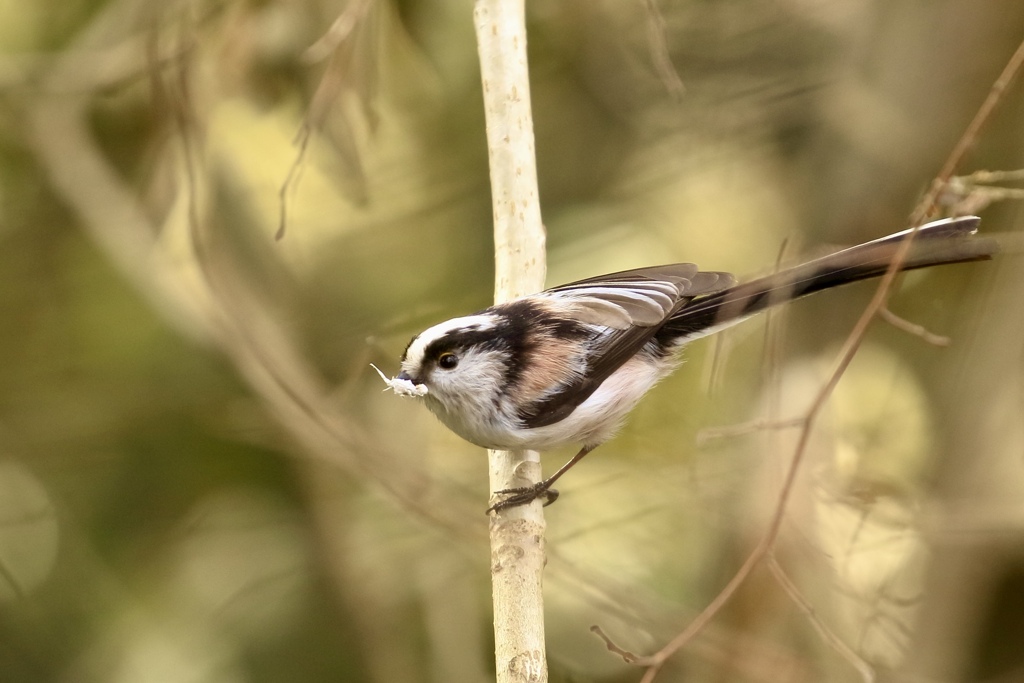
x=526, y=494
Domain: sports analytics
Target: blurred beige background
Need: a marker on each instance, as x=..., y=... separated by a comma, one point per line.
x=201, y=480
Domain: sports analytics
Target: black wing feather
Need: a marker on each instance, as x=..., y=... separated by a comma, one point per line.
x=939, y=243
x=611, y=348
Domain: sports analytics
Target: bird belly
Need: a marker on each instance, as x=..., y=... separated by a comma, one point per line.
x=598, y=418
x=592, y=422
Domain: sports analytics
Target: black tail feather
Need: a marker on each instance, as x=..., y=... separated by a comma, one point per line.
x=939, y=243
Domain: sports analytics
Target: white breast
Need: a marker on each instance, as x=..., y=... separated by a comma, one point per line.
x=598, y=418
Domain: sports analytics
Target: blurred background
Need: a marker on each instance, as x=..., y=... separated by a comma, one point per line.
x=201, y=479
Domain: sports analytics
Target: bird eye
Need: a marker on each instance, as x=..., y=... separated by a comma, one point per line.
x=448, y=361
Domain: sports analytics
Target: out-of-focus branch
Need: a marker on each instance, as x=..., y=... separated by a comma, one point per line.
x=517, y=533
x=341, y=74
x=112, y=215
x=210, y=299
x=972, y=193
x=94, y=69
x=659, y=51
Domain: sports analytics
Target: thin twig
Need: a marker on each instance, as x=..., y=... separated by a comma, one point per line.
x=337, y=43
x=924, y=209
x=927, y=205
x=913, y=328
x=989, y=177
x=658, y=659
x=970, y=194
x=338, y=33
x=627, y=656
x=291, y=180
x=770, y=363
x=659, y=51
x=834, y=641
x=743, y=428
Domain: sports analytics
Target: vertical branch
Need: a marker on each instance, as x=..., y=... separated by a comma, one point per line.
x=517, y=533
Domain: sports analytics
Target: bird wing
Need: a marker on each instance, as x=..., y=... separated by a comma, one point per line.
x=625, y=309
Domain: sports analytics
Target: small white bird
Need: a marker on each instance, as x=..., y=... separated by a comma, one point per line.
x=566, y=365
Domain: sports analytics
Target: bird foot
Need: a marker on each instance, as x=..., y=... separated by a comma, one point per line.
x=523, y=495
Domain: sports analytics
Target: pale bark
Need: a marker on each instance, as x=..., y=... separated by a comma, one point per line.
x=517, y=534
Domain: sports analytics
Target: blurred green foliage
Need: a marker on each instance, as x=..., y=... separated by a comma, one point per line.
x=200, y=479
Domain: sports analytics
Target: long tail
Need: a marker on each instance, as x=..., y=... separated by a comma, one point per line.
x=938, y=243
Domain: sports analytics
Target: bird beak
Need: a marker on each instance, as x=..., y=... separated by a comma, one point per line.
x=405, y=385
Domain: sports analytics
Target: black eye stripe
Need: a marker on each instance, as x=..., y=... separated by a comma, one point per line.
x=441, y=344
x=457, y=339
x=516, y=325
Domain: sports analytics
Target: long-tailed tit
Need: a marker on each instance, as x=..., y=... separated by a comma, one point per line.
x=566, y=365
